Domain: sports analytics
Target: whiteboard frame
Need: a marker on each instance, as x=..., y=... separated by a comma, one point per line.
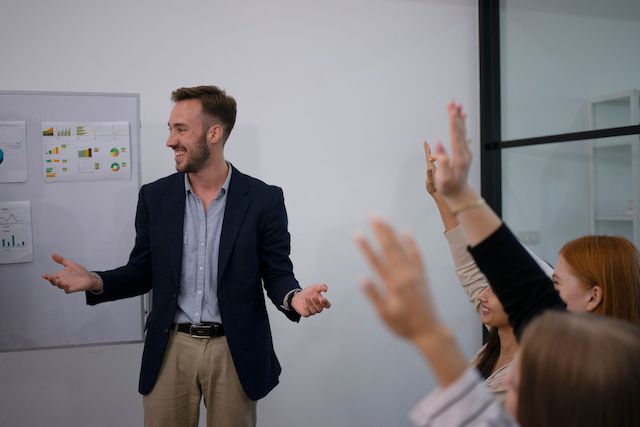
x=138, y=307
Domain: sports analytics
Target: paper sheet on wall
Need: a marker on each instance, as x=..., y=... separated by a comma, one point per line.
x=13, y=151
x=86, y=151
x=16, y=243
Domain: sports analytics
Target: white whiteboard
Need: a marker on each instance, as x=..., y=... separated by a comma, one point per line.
x=91, y=222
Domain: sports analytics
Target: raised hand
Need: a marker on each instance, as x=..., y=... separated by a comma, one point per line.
x=310, y=301
x=448, y=219
x=73, y=278
x=477, y=218
x=403, y=301
x=451, y=179
x=431, y=170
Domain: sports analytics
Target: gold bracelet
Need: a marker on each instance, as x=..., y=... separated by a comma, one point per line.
x=471, y=205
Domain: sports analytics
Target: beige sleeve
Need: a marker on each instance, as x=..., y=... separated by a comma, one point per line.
x=471, y=278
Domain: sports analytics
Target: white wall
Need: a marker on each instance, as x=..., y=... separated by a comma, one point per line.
x=555, y=57
x=334, y=100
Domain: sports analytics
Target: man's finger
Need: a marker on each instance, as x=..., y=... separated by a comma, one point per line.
x=322, y=302
x=321, y=287
x=50, y=278
x=315, y=304
x=59, y=259
x=305, y=311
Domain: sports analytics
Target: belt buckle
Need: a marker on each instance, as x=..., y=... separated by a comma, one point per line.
x=200, y=331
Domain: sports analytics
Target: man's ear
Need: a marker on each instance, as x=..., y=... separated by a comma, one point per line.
x=215, y=134
x=595, y=298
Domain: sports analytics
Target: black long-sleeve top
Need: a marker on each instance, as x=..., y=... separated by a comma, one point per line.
x=524, y=290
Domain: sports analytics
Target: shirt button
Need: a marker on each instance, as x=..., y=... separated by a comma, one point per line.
x=197, y=314
x=200, y=268
x=199, y=292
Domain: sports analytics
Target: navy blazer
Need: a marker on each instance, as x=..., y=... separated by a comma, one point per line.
x=254, y=252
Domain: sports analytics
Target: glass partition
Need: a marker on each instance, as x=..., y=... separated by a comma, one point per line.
x=568, y=67
x=553, y=193
x=557, y=57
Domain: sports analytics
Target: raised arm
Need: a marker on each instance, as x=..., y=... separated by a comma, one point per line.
x=471, y=278
x=515, y=277
x=469, y=274
x=404, y=302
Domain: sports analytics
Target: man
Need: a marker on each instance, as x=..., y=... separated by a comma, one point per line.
x=207, y=238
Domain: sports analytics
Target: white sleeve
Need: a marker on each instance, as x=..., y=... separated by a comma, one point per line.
x=467, y=402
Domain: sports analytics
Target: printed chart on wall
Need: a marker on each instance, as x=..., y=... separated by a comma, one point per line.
x=86, y=151
x=13, y=152
x=15, y=232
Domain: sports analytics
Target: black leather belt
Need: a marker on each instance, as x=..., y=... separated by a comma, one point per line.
x=207, y=330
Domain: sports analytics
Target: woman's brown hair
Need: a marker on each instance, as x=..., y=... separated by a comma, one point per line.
x=579, y=370
x=489, y=354
x=613, y=264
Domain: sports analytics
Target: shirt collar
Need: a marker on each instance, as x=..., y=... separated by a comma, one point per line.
x=223, y=189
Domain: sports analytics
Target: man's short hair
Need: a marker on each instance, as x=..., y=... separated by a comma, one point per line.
x=215, y=103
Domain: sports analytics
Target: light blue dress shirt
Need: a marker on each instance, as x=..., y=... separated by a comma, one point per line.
x=198, y=295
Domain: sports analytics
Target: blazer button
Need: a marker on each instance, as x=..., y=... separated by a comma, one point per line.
x=166, y=330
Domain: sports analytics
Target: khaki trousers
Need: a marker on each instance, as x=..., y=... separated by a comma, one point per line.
x=195, y=367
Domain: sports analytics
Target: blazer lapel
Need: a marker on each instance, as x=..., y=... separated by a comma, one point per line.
x=173, y=208
x=236, y=207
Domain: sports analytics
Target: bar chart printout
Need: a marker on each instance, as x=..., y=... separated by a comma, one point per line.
x=15, y=232
x=86, y=151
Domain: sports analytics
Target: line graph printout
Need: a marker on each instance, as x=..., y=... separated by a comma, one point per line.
x=13, y=151
x=86, y=151
x=15, y=232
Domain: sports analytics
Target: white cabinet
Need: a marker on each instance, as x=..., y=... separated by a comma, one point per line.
x=614, y=167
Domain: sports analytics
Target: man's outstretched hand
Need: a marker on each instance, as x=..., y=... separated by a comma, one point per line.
x=73, y=278
x=309, y=300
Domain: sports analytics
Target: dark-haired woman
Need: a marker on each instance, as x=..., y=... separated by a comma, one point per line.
x=495, y=358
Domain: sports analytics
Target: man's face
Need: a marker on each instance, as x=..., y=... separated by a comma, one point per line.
x=187, y=137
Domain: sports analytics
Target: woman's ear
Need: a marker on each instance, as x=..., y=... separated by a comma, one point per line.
x=595, y=298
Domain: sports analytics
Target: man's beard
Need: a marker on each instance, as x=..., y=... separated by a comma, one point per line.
x=197, y=159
